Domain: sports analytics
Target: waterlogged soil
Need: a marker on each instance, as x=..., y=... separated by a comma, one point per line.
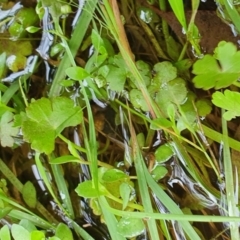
x=212, y=28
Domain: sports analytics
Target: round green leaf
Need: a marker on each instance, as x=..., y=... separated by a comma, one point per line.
x=5, y=233
x=130, y=227
x=86, y=189
x=159, y=172
x=29, y=194
x=37, y=235
x=20, y=233
x=138, y=100
x=164, y=153
x=63, y=232
x=77, y=73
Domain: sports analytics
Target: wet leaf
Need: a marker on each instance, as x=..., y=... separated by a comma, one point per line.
x=37, y=235
x=188, y=116
x=98, y=42
x=116, y=78
x=86, y=189
x=173, y=92
x=165, y=72
x=15, y=47
x=28, y=225
x=112, y=179
x=138, y=100
x=77, y=73
x=125, y=193
x=7, y=130
x=16, y=62
x=229, y=101
x=20, y=233
x=46, y=118
x=220, y=70
x=130, y=227
x=164, y=153
x=5, y=233
x=204, y=107
x=63, y=232
x=94, y=204
x=159, y=172
x=29, y=194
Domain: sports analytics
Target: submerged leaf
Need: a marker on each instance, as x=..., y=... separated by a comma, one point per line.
x=7, y=130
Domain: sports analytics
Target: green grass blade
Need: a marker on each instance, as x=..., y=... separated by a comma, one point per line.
x=232, y=203
x=233, y=13
x=74, y=43
x=178, y=9
x=110, y=219
x=81, y=232
x=170, y=205
x=62, y=189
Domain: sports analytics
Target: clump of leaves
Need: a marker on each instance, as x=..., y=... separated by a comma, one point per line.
x=219, y=70
x=27, y=231
x=117, y=187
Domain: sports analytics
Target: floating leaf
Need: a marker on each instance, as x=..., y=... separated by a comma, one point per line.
x=173, y=92
x=112, y=179
x=164, y=153
x=28, y=225
x=220, y=70
x=165, y=72
x=15, y=47
x=86, y=189
x=204, y=107
x=7, y=131
x=5, y=233
x=63, y=232
x=20, y=233
x=116, y=78
x=29, y=194
x=77, y=73
x=16, y=62
x=37, y=235
x=159, y=172
x=46, y=118
x=130, y=227
x=138, y=100
x=230, y=101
